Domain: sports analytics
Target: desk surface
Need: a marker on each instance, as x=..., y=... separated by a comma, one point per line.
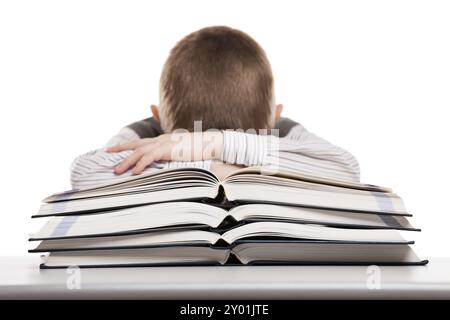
x=20, y=278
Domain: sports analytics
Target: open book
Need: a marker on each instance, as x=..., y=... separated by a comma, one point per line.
x=177, y=233
x=93, y=242
x=254, y=216
x=250, y=185
x=164, y=216
x=245, y=252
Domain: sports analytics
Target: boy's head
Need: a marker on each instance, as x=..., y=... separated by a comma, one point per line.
x=218, y=75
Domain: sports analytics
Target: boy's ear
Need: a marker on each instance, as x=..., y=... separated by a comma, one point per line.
x=155, y=112
x=278, y=110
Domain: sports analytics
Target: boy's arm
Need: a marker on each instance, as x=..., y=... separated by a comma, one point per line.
x=300, y=150
x=97, y=166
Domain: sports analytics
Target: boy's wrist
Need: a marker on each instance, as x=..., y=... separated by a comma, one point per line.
x=213, y=145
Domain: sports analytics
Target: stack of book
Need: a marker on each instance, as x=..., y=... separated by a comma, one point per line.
x=254, y=216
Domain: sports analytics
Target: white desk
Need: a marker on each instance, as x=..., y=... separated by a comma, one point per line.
x=21, y=278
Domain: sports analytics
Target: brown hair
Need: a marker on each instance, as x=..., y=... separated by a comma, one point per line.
x=218, y=75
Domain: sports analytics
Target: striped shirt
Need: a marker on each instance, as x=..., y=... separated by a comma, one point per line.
x=294, y=149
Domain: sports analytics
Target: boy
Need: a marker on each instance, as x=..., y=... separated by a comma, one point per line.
x=221, y=77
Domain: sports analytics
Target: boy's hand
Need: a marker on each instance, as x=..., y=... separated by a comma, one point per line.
x=186, y=146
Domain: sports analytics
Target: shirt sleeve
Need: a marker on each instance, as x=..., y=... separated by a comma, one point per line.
x=300, y=151
x=125, y=135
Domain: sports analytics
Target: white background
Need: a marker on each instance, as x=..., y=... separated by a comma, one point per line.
x=370, y=76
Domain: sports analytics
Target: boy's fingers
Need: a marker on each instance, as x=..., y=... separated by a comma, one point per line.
x=128, y=162
x=143, y=163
